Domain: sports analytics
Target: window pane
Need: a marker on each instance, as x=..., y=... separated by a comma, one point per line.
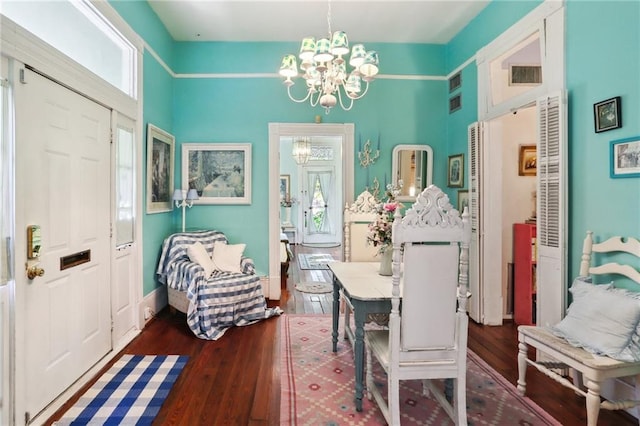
x=124, y=187
x=80, y=32
x=516, y=71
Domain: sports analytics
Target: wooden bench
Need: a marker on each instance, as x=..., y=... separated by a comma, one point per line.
x=555, y=354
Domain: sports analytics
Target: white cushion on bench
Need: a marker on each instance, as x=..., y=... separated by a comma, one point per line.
x=602, y=320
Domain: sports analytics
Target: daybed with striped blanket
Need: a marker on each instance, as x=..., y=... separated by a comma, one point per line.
x=217, y=302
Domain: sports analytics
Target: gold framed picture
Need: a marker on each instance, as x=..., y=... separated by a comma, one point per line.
x=527, y=160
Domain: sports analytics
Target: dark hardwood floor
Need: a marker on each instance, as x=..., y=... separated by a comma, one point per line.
x=235, y=380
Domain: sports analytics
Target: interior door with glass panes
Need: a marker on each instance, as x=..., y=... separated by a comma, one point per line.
x=320, y=206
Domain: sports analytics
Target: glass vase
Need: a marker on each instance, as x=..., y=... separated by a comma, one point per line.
x=385, y=262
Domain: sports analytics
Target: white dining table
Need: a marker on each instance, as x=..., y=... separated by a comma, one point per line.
x=369, y=293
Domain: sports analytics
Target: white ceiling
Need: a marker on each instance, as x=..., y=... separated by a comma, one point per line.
x=392, y=21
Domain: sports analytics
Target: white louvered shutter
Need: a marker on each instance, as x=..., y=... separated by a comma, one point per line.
x=475, y=150
x=551, y=208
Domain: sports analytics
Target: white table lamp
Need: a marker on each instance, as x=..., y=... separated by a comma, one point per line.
x=181, y=201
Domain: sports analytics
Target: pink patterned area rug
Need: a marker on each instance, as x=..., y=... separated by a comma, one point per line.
x=318, y=386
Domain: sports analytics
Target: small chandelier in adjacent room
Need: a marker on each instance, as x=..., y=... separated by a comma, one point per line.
x=325, y=71
x=301, y=150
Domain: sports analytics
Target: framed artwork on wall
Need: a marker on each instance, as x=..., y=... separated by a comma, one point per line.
x=160, y=158
x=455, y=171
x=285, y=188
x=527, y=160
x=608, y=114
x=221, y=173
x=625, y=157
x=463, y=200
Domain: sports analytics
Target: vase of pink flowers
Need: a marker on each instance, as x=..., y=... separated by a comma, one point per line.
x=379, y=234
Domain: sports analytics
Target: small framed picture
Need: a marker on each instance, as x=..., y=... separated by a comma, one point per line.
x=285, y=188
x=527, y=160
x=608, y=114
x=463, y=200
x=625, y=157
x=221, y=173
x=160, y=154
x=455, y=174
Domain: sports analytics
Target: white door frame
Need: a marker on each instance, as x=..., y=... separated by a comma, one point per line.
x=20, y=47
x=548, y=19
x=276, y=131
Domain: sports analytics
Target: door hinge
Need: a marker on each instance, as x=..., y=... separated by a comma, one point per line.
x=23, y=78
x=27, y=418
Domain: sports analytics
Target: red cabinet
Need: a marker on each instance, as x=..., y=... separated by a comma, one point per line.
x=524, y=273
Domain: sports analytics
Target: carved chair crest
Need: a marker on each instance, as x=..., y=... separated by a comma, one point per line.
x=432, y=208
x=365, y=203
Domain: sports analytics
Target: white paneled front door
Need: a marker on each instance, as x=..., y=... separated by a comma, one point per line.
x=320, y=208
x=63, y=186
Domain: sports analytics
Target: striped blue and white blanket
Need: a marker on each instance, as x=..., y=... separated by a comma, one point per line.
x=220, y=301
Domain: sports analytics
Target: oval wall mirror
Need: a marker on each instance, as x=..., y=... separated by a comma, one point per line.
x=413, y=164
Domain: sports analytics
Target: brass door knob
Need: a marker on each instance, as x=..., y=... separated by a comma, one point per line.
x=34, y=271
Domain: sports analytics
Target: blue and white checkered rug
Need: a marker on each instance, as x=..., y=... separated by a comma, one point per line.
x=129, y=393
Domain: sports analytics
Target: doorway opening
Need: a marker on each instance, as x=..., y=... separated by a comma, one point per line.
x=517, y=73
x=323, y=186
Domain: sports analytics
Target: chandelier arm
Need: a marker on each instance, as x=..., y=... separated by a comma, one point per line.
x=298, y=100
x=317, y=98
x=341, y=103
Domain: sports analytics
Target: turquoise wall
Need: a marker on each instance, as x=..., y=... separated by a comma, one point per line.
x=223, y=110
x=600, y=68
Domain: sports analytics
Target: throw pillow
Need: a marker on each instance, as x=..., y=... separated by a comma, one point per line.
x=198, y=254
x=603, y=321
x=226, y=257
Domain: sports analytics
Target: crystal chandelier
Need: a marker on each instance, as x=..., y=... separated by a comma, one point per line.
x=301, y=150
x=325, y=71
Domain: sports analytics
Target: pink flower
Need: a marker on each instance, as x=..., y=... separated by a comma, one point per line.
x=390, y=207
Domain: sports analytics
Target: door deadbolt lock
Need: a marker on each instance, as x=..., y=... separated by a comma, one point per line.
x=34, y=271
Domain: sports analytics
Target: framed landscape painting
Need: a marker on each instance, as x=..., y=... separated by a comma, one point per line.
x=221, y=173
x=160, y=158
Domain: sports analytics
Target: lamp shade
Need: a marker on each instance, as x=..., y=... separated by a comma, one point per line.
x=358, y=53
x=369, y=67
x=323, y=52
x=339, y=43
x=177, y=195
x=192, y=195
x=307, y=49
x=354, y=84
x=289, y=66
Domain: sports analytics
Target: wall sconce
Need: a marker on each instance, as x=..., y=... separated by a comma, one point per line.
x=181, y=201
x=366, y=155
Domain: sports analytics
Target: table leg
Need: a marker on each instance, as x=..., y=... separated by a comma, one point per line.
x=335, y=313
x=359, y=318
